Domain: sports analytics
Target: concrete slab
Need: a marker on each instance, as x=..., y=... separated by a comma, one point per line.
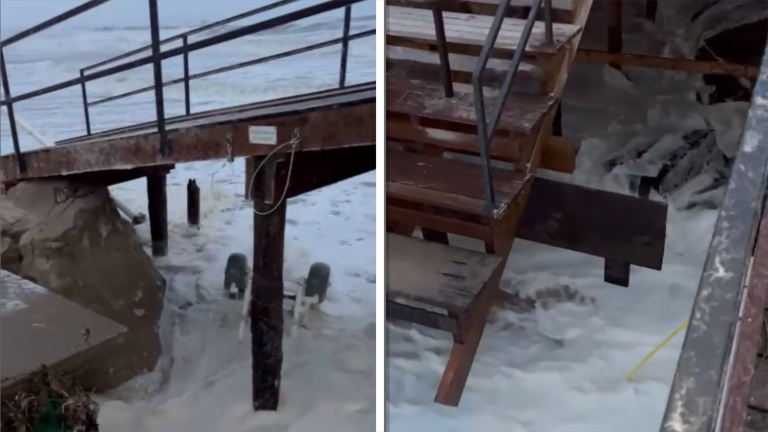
x=39, y=327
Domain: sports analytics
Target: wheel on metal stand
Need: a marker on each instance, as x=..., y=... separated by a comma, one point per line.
x=237, y=273
x=311, y=292
x=318, y=280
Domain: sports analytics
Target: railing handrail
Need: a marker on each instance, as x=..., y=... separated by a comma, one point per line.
x=236, y=66
x=157, y=56
x=702, y=370
x=268, y=24
x=197, y=30
x=484, y=129
x=71, y=13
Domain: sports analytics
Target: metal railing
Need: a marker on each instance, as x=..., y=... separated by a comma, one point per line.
x=701, y=377
x=486, y=128
x=156, y=56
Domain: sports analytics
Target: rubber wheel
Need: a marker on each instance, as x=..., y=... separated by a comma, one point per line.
x=318, y=280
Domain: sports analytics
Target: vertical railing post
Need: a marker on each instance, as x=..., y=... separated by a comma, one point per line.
x=549, y=36
x=345, y=46
x=187, y=100
x=86, y=111
x=11, y=116
x=442, y=52
x=157, y=68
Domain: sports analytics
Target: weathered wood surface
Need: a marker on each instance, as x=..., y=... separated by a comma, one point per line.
x=446, y=183
x=596, y=222
x=434, y=274
x=324, y=121
x=757, y=421
x=267, y=286
x=425, y=65
x=469, y=29
x=521, y=113
x=566, y=5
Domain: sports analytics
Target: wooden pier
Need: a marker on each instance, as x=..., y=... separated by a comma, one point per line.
x=331, y=135
x=440, y=56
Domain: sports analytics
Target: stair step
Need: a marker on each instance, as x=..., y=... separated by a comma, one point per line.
x=521, y=114
x=562, y=5
x=448, y=183
x=562, y=10
x=425, y=65
x=468, y=29
x=435, y=275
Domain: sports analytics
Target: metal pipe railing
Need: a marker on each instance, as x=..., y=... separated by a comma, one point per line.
x=193, y=46
x=487, y=129
x=236, y=66
x=192, y=32
x=157, y=75
x=702, y=370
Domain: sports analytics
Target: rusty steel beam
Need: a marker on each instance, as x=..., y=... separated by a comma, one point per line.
x=324, y=123
x=697, y=389
x=748, y=337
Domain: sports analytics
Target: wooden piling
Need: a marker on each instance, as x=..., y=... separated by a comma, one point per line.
x=267, y=287
x=193, y=203
x=158, y=213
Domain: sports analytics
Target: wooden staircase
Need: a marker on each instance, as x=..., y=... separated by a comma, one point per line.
x=432, y=117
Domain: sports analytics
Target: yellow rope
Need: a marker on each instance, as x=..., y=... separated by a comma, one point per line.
x=655, y=350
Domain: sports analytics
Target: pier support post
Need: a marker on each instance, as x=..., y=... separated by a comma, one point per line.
x=158, y=213
x=615, y=30
x=250, y=166
x=267, y=285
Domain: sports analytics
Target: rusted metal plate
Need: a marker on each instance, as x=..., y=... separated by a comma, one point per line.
x=434, y=274
x=323, y=123
x=521, y=113
x=745, y=370
x=446, y=183
x=605, y=224
x=701, y=373
x=757, y=421
x=759, y=393
x=316, y=170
